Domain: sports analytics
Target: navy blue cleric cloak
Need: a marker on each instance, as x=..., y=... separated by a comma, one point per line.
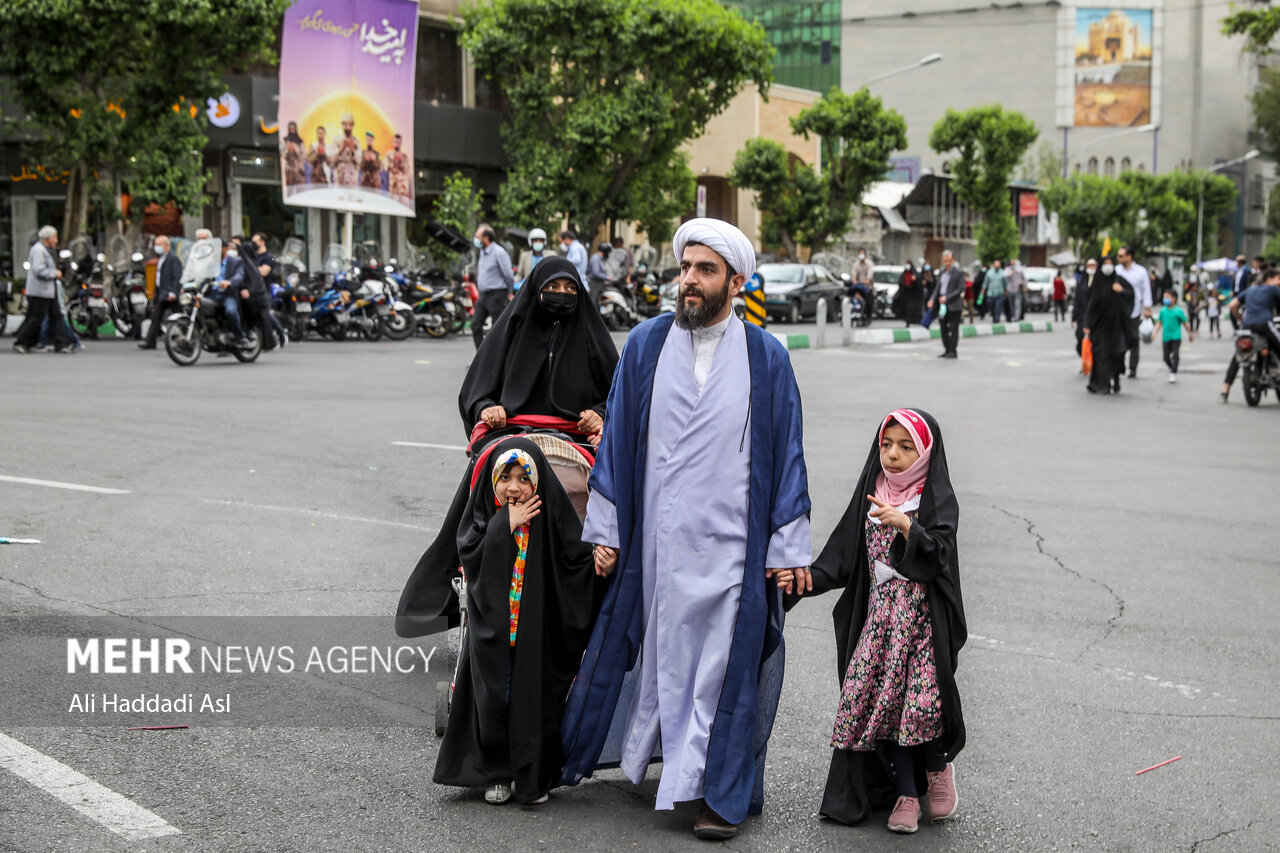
x=779, y=495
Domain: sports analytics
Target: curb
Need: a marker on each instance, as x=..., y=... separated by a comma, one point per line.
x=879, y=337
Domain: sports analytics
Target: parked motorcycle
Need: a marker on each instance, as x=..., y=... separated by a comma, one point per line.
x=127, y=303
x=7, y=288
x=1259, y=366
x=86, y=294
x=200, y=325
x=617, y=305
x=435, y=310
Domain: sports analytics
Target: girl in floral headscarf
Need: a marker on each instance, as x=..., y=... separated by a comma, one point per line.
x=531, y=603
x=899, y=628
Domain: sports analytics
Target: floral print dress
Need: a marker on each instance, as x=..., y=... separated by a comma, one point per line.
x=890, y=690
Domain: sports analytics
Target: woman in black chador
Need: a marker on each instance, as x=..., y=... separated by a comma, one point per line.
x=1108, y=329
x=900, y=626
x=549, y=354
x=531, y=587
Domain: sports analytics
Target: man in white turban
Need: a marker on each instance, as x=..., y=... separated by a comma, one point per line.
x=699, y=496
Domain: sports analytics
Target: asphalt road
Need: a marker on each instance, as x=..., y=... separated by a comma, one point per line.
x=1118, y=557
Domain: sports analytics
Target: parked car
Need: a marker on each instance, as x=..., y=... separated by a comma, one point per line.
x=884, y=278
x=792, y=291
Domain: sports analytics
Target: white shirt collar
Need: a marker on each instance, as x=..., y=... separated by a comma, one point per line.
x=707, y=333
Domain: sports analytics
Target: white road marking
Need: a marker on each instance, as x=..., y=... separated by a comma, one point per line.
x=317, y=513
x=427, y=444
x=54, y=484
x=117, y=813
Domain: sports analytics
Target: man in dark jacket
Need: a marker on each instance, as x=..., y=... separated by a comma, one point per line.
x=168, y=288
x=254, y=296
x=949, y=293
x=270, y=269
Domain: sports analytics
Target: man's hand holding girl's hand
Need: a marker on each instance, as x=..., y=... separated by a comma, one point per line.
x=798, y=580
x=606, y=560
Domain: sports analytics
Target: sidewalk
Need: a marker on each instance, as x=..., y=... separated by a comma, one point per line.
x=877, y=337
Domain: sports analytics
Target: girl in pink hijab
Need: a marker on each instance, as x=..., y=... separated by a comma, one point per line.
x=899, y=628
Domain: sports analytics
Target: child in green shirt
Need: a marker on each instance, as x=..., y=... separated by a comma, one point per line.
x=1169, y=323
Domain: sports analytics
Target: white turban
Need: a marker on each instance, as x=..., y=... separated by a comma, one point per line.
x=720, y=237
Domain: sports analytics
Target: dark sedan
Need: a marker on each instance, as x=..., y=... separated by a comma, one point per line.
x=792, y=291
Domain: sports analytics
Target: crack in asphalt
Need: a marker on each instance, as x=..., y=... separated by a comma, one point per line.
x=1209, y=716
x=1196, y=845
x=1119, y=602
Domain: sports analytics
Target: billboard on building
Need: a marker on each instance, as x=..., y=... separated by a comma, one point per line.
x=346, y=105
x=1113, y=60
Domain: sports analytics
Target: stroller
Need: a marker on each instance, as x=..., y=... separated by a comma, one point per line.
x=570, y=457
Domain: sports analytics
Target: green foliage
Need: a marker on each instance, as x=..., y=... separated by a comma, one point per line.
x=1139, y=210
x=459, y=208
x=988, y=143
x=1258, y=26
x=106, y=88
x=603, y=93
x=858, y=134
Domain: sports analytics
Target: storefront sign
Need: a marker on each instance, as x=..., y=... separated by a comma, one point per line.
x=1028, y=205
x=346, y=105
x=224, y=111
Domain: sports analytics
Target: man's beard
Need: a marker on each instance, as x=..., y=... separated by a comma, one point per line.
x=697, y=316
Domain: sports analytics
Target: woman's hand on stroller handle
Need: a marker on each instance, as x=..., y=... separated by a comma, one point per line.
x=494, y=417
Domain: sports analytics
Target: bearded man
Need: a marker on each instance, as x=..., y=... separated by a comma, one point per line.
x=700, y=494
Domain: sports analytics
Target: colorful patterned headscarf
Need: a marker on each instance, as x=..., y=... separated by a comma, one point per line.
x=519, y=457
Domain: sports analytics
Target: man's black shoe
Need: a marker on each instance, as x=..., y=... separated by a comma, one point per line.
x=146, y=346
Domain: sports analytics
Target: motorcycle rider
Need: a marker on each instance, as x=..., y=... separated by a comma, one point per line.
x=168, y=289
x=229, y=287
x=269, y=267
x=254, y=296
x=537, y=251
x=1261, y=303
x=861, y=276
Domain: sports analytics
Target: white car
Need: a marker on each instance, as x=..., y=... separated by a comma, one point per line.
x=884, y=278
x=1040, y=287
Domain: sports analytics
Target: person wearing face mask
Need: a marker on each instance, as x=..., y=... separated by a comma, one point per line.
x=1080, y=308
x=861, y=279
x=536, y=252
x=226, y=290
x=168, y=288
x=494, y=280
x=1108, y=328
x=548, y=354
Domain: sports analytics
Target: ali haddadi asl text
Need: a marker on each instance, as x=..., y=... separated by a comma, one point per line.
x=149, y=703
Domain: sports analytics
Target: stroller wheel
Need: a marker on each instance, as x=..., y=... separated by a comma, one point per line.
x=442, y=707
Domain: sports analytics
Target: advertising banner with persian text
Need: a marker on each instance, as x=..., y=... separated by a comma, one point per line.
x=346, y=105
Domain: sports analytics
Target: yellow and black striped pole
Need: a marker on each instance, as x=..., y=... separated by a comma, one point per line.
x=753, y=295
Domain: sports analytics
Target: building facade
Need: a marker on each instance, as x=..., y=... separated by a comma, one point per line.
x=805, y=35
x=1148, y=85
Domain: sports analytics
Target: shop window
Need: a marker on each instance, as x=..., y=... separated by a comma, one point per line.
x=438, y=71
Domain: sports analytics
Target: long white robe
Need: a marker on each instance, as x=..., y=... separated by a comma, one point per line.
x=697, y=475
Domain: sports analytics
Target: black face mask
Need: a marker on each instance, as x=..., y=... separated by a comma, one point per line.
x=560, y=304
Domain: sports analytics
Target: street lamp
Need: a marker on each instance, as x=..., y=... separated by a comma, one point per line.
x=921, y=63
x=1200, y=208
x=1142, y=128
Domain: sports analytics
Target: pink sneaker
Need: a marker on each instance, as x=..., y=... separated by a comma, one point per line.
x=943, y=799
x=906, y=815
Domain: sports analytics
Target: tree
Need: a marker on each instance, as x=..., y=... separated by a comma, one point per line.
x=989, y=143
x=1258, y=26
x=1041, y=166
x=857, y=136
x=459, y=208
x=1266, y=111
x=1138, y=210
x=603, y=93
x=113, y=91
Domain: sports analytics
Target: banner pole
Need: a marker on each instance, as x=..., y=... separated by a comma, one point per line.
x=348, y=229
